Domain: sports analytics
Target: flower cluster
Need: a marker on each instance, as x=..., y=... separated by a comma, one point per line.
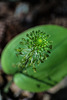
x=35, y=49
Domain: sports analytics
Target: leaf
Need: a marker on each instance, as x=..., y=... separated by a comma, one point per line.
x=48, y=73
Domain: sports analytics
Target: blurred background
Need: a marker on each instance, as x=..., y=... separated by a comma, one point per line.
x=16, y=17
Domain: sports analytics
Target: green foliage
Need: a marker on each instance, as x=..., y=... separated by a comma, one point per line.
x=48, y=73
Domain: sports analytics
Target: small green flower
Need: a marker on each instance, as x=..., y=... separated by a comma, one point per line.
x=37, y=49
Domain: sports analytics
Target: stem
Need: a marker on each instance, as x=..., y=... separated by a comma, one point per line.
x=6, y=89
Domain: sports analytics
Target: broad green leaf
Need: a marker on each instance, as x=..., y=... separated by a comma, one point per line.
x=48, y=73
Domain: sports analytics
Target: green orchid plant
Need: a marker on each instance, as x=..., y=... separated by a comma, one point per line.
x=37, y=58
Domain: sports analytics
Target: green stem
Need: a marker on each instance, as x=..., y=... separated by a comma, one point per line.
x=6, y=89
